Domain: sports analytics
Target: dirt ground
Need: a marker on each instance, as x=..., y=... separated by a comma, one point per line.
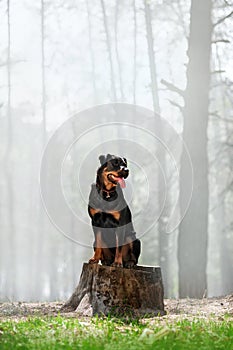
x=176, y=309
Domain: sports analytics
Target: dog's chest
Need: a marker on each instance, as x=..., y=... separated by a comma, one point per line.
x=97, y=202
x=105, y=216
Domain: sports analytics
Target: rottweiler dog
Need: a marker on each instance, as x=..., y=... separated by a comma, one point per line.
x=115, y=239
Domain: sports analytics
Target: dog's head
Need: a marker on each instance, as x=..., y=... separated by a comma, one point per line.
x=113, y=170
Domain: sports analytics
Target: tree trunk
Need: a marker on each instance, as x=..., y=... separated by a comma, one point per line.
x=150, y=44
x=40, y=237
x=226, y=256
x=117, y=291
x=109, y=49
x=9, y=167
x=192, y=241
x=117, y=51
x=163, y=237
x=135, y=52
x=43, y=72
x=91, y=51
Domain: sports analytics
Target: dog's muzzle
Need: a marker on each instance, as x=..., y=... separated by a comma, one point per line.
x=124, y=173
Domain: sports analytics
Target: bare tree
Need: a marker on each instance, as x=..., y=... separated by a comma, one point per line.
x=43, y=72
x=163, y=237
x=193, y=230
x=92, y=57
x=9, y=75
x=41, y=220
x=8, y=161
x=226, y=256
x=135, y=51
x=109, y=49
x=117, y=50
x=150, y=44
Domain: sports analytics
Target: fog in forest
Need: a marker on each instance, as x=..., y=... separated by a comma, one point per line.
x=151, y=81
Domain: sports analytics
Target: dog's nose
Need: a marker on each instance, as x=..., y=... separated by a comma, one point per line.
x=125, y=172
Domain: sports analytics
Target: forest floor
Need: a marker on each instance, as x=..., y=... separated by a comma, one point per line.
x=189, y=324
x=176, y=309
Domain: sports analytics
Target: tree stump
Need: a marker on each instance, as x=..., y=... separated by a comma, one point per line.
x=104, y=290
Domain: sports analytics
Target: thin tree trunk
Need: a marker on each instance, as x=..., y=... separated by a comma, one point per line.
x=117, y=51
x=226, y=257
x=91, y=50
x=192, y=240
x=135, y=52
x=163, y=237
x=41, y=247
x=43, y=73
x=108, y=43
x=9, y=170
x=9, y=76
x=150, y=44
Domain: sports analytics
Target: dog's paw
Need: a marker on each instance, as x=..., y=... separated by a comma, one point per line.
x=93, y=261
x=116, y=264
x=106, y=262
x=130, y=264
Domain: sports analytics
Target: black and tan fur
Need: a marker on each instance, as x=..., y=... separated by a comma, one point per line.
x=115, y=239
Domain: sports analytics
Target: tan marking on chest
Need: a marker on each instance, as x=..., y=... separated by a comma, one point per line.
x=115, y=214
x=94, y=211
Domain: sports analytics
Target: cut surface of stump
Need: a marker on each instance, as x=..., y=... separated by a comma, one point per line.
x=107, y=290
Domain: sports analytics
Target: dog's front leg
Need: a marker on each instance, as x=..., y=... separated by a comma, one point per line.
x=120, y=237
x=97, y=247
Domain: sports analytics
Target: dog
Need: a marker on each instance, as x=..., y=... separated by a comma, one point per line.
x=115, y=239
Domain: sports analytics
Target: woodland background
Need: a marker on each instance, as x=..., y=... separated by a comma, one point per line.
x=59, y=57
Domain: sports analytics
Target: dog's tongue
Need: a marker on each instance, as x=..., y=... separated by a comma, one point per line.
x=121, y=182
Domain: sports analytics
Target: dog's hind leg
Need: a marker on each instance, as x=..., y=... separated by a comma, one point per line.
x=136, y=248
x=132, y=251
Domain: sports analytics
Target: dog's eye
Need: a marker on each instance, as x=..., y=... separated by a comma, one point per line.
x=115, y=162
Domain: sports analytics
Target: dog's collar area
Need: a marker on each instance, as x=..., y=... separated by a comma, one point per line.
x=106, y=193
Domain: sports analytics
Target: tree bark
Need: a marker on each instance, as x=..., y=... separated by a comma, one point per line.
x=40, y=238
x=109, y=49
x=9, y=167
x=43, y=72
x=150, y=43
x=226, y=256
x=91, y=51
x=163, y=237
x=192, y=241
x=135, y=52
x=117, y=291
x=117, y=51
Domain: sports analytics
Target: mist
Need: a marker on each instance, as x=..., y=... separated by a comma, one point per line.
x=147, y=80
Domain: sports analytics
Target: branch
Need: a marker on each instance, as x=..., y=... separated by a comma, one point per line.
x=222, y=19
x=3, y=64
x=218, y=71
x=172, y=87
x=216, y=115
x=176, y=105
x=227, y=3
x=225, y=41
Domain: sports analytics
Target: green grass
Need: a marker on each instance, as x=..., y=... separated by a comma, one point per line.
x=70, y=333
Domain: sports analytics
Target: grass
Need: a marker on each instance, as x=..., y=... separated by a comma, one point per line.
x=109, y=333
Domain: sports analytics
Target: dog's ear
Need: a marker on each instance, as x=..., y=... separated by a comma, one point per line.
x=102, y=159
x=125, y=161
x=109, y=156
